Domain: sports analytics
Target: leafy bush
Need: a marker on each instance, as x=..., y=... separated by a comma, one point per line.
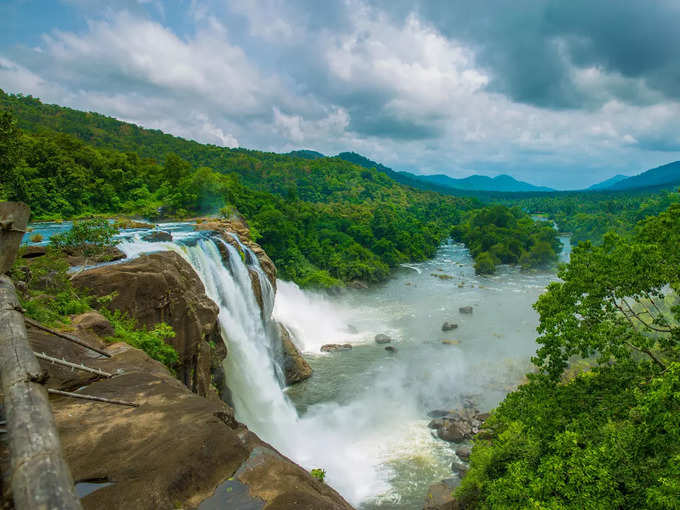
x=151, y=341
x=46, y=292
x=87, y=237
x=319, y=474
x=36, y=238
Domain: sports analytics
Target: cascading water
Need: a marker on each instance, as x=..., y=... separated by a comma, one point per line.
x=330, y=436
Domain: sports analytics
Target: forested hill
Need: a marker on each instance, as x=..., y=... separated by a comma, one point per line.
x=323, y=220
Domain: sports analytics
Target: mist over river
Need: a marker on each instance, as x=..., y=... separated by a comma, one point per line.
x=367, y=408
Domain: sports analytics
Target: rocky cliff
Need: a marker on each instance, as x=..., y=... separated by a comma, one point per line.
x=163, y=287
x=175, y=450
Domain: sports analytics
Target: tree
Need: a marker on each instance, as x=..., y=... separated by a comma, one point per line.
x=612, y=300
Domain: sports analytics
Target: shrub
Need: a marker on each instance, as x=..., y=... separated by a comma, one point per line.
x=151, y=341
x=86, y=237
x=36, y=238
x=319, y=474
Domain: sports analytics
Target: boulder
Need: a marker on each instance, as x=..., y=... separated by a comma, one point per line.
x=295, y=367
x=457, y=425
x=163, y=287
x=463, y=453
x=448, y=326
x=465, y=309
x=95, y=322
x=437, y=413
x=455, y=430
x=156, y=236
x=107, y=254
x=459, y=468
x=391, y=349
x=382, y=339
x=440, y=496
x=336, y=347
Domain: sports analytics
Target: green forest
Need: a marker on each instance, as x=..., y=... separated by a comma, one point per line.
x=323, y=221
x=608, y=437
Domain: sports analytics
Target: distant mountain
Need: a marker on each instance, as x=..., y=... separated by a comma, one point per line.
x=502, y=182
x=439, y=182
x=659, y=176
x=608, y=182
x=306, y=154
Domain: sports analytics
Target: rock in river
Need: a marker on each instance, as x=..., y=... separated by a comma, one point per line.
x=465, y=309
x=448, y=326
x=156, y=236
x=382, y=339
x=336, y=347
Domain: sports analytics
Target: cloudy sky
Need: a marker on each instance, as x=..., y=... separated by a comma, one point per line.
x=558, y=93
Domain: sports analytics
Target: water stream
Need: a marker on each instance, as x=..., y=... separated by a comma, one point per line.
x=362, y=416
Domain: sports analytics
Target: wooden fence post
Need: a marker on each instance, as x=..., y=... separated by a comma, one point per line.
x=13, y=222
x=40, y=477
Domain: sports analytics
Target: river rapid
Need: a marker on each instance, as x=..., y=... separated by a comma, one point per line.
x=362, y=416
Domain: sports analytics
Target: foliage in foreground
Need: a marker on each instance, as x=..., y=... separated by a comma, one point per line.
x=86, y=237
x=609, y=438
x=47, y=296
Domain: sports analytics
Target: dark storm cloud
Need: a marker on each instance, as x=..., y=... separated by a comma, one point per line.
x=532, y=48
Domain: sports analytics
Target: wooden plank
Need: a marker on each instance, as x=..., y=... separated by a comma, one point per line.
x=65, y=336
x=40, y=478
x=72, y=366
x=91, y=397
x=13, y=222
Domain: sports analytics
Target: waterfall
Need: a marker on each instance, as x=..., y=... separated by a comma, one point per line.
x=252, y=373
x=342, y=439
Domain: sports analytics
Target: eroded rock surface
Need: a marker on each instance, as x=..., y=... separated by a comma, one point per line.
x=173, y=451
x=163, y=287
x=295, y=368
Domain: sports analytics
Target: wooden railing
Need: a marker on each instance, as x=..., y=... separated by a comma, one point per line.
x=40, y=478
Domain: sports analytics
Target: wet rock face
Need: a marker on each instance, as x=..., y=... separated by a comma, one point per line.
x=295, y=368
x=163, y=287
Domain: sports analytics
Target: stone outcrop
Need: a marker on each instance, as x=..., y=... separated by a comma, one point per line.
x=295, y=368
x=459, y=425
x=76, y=258
x=465, y=309
x=163, y=287
x=176, y=450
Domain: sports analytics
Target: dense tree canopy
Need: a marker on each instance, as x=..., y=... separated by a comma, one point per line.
x=610, y=437
x=499, y=235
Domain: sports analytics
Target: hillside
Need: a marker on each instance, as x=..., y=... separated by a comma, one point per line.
x=444, y=183
x=323, y=221
x=608, y=182
x=500, y=183
x=662, y=175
